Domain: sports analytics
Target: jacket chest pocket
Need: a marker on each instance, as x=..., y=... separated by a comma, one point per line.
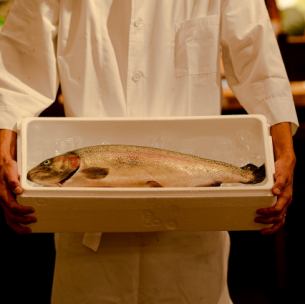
x=197, y=46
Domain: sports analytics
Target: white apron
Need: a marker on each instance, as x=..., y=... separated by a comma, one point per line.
x=143, y=268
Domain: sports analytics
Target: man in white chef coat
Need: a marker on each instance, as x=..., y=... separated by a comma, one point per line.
x=142, y=58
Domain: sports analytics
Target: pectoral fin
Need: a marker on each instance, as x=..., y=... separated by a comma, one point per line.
x=95, y=172
x=153, y=184
x=214, y=184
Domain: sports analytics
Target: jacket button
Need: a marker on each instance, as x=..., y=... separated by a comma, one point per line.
x=137, y=76
x=138, y=23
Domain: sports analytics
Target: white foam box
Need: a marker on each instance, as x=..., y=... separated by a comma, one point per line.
x=236, y=139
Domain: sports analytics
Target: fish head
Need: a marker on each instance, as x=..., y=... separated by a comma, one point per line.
x=55, y=171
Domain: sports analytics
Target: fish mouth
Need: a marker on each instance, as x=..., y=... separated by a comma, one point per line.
x=31, y=175
x=28, y=176
x=48, y=180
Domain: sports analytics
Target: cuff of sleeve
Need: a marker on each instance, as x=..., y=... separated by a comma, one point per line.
x=8, y=121
x=276, y=110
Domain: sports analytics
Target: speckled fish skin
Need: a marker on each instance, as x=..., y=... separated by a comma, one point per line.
x=137, y=166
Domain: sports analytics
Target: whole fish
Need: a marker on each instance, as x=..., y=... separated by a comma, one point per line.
x=138, y=166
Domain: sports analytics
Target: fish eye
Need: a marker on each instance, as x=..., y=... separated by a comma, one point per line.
x=46, y=162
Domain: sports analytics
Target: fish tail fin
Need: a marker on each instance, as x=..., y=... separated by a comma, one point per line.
x=258, y=172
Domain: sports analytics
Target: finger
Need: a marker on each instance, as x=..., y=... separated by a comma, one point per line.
x=19, y=229
x=279, y=185
x=20, y=209
x=9, y=201
x=281, y=205
x=16, y=188
x=271, y=217
x=269, y=211
x=270, y=220
x=12, y=178
x=14, y=185
x=8, y=198
x=19, y=223
x=273, y=229
x=277, y=223
x=24, y=220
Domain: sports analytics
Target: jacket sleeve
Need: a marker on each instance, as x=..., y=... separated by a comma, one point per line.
x=28, y=69
x=253, y=63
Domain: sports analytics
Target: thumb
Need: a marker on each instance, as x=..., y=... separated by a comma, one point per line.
x=12, y=179
x=279, y=185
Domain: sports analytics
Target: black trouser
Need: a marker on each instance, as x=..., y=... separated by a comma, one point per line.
x=26, y=266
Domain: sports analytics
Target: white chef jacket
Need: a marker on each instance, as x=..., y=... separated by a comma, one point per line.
x=141, y=58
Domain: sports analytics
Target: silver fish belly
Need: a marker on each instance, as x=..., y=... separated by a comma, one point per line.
x=138, y=166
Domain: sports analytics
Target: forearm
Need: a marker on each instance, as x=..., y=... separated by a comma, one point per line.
x=283, y=178
x=282, y=141
x=8, y=145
